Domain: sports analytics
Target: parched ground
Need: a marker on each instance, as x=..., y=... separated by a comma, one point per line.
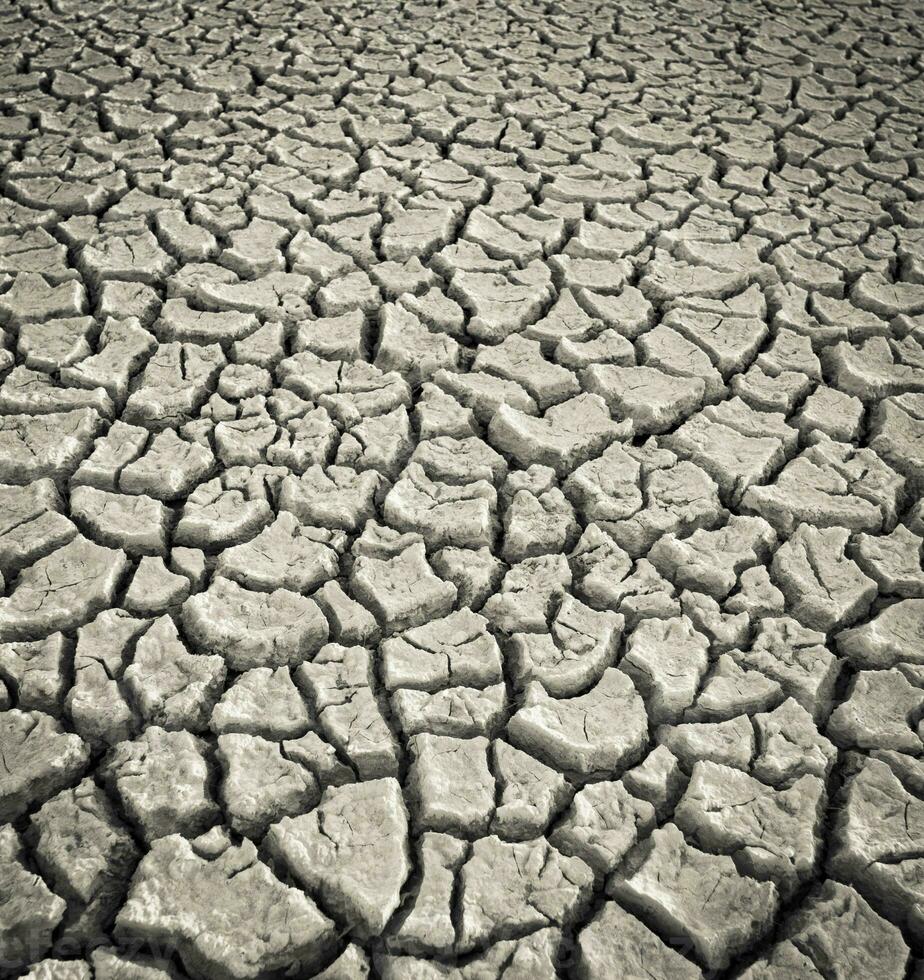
x=461, y=473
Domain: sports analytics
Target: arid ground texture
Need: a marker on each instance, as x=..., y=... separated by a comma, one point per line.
x=461, y=473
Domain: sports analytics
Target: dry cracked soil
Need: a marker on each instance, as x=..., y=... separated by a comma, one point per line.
x=461, y=473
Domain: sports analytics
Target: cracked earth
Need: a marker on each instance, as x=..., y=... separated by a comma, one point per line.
x=461, y=475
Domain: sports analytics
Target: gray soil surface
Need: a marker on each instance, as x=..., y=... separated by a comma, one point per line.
x=461, y=472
